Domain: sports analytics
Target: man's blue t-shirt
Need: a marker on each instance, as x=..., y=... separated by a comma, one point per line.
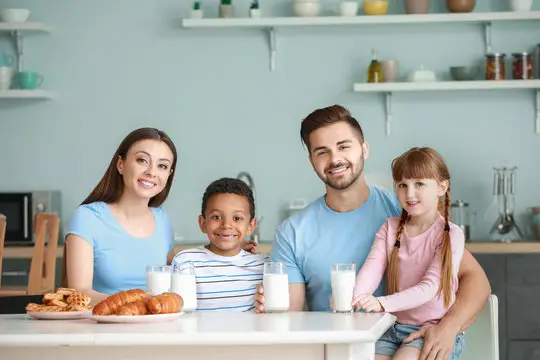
x=311, y=241
x=120, y=259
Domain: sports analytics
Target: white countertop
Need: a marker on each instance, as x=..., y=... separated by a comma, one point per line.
x=217, y=328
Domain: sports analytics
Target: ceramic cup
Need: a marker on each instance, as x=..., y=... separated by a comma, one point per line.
x=29, y=80
x=6, y=74
x=6, y=60
x=521, y=5
x=389, y=70
x=348, y=8
x=416, y=6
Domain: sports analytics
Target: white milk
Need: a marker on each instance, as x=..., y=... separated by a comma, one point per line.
x=185, y=285
x=342, y=290
x=276, y=292
x=158, y=282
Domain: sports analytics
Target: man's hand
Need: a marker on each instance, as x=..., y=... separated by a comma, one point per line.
x=439, y=341
x=250, y=246
x=368, y=302
x=259, y=299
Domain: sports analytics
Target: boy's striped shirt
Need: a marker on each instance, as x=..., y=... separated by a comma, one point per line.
x=224, y=283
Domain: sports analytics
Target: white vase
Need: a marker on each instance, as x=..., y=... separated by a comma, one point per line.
x=521, y=5
x=196, y=14
x=226, y=11
x=254, y=13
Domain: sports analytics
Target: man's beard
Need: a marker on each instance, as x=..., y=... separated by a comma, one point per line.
x=344, y=184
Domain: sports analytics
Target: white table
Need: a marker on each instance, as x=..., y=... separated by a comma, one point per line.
x=218, y=335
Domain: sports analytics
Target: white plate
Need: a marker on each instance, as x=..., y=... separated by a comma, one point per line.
x=127, y=319
x=63, y=315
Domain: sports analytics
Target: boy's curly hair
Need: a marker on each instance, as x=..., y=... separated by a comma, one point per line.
x=229, y=186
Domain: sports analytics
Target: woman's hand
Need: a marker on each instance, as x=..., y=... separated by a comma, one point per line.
x=250, y=246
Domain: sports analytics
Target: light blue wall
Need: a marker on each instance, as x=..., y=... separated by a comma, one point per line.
x=118, y=65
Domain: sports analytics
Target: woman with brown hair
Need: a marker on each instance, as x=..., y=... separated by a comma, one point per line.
x=121, y=227
x=420, y=253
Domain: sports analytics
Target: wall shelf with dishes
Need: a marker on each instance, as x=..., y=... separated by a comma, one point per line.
x=269, y=24
x=460, y=12
x=25, y=26
x=14, y=24
x=17, y=94
x=389, y=88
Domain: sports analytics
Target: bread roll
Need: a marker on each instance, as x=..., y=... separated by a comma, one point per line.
x=133, y=308
x=110, y=305
x=166, y=303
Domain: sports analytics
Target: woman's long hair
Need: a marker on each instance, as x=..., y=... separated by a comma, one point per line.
x=423, y=163
x=111, y=186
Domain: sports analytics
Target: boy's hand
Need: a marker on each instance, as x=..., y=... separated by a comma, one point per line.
x=369, y=303
x=250, y=246
x=259, y=299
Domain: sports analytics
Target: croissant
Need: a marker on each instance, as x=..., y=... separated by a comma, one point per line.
x=166, y=303
x=110, y=305
x=133, y=308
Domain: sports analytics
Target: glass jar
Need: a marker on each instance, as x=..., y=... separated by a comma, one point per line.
x=538, y=61
x=461, y=217
x=495, y=66
x=522, y=68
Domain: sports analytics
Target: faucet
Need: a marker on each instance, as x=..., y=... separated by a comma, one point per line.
x=246, y=177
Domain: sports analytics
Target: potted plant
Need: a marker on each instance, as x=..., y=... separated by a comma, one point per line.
x=226, y=9
x=196, y=11
x=254, y=9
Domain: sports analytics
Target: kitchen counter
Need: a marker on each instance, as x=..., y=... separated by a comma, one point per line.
x=473, y=247
x=487, y=247
x=533, y=246
x=216, y=335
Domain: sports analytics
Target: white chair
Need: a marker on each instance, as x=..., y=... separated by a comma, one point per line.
x=482, y=338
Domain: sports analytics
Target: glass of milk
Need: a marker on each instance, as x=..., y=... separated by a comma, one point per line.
x=184, y=283
x=342, y=277
x=276, y=287
x=158, y=279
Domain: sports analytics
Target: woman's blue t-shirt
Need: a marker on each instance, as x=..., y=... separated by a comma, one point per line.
x=120, y=259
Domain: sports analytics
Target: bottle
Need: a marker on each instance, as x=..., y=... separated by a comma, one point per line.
x=374, y=70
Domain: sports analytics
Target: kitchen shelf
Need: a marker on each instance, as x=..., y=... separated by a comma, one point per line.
x=25, y=26
x=25, y=94
x=389, y=88
x=270, y=23
x=447, y=85
x=16, y=30
x=360, y=20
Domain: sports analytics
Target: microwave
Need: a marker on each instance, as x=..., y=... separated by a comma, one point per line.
x=20, y=209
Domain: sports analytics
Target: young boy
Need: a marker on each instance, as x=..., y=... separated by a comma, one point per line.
x=227, y=276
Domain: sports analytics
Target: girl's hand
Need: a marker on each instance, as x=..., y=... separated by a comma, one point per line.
x=369, y=303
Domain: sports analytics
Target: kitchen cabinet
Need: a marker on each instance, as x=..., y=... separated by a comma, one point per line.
x=15, y=272
x=526, y=350
x=514, y=279
x=495, y=269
